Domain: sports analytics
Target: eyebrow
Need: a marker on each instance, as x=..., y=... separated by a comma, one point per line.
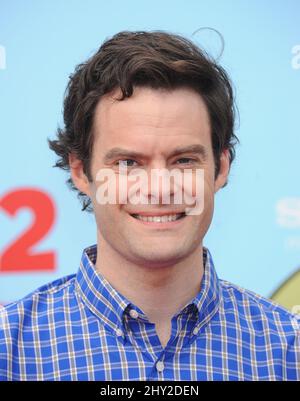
x=120, y=152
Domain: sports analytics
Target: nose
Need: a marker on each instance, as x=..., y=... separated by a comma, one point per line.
x=160, y=186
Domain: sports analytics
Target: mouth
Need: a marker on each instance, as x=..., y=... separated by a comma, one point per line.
x=160, y=221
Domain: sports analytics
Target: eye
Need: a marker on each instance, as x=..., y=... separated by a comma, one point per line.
x=125, y=162
x=186, y=160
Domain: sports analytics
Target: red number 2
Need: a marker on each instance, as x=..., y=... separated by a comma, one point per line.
x=18, y=256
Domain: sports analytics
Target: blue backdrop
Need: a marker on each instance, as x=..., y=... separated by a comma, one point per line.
x=255, y=235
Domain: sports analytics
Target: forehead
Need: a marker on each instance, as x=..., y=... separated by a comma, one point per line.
x=150, y=115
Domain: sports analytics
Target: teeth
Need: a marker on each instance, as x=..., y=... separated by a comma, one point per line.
x=158, y=219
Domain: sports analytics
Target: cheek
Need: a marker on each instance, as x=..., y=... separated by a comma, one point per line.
x=124, y=187
x=199, y=186
x=108, y=221
x=104, y=206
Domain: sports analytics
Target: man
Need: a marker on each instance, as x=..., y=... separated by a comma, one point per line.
x=146, y=303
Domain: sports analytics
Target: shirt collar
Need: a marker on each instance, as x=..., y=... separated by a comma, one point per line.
x=109, y=305
x=98, y=294
x=208, y=298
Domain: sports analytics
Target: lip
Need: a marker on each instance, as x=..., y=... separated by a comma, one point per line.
x=159, y=213
x=156, y=225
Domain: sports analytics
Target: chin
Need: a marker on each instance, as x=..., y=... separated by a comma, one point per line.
x=159, y=255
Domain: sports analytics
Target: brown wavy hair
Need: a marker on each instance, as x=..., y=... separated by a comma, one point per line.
x=155, y=59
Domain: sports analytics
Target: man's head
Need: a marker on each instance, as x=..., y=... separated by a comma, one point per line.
x=148, y=94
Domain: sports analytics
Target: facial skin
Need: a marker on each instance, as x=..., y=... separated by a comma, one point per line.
x=159, y=270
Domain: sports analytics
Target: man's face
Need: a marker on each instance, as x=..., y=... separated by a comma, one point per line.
x=149, y=126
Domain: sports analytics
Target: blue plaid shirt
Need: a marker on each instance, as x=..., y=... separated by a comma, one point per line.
x=80, y=328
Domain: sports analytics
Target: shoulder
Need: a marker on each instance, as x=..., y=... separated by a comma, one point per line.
x=29, y=320
x=28, y=309
x=261, y=313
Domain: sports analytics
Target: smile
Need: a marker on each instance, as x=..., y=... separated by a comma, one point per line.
x=159, y=219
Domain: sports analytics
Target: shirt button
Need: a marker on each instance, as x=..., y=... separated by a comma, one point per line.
x=196, y=330
x=119, y=332
x=133, y=313
x=160, y=366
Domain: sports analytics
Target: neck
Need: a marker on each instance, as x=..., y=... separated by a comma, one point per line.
x=160, y=292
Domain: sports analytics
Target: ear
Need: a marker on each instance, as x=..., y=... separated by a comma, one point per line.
x=224, y=170
x=79, y=178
